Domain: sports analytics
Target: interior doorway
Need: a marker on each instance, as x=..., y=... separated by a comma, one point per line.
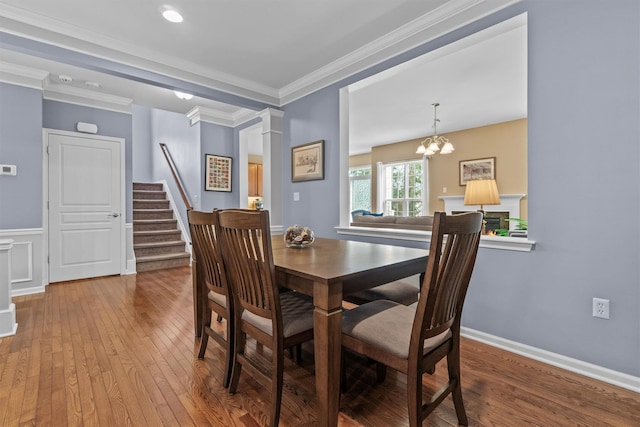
x=85, y=196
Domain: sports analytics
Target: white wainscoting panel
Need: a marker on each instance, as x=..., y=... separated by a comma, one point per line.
x=27, y=260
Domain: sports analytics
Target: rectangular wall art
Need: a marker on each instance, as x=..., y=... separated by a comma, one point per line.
x=218, y=173
x=307, y=161
x=477, y=169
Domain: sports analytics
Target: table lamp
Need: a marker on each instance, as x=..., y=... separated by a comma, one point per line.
x=482, y=192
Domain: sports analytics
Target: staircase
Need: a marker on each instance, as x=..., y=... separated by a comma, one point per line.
x=157, y=241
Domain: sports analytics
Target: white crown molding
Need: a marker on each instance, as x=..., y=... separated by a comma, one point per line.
x=453, y=14
x=87, y=98
x=222, y=118
x=415, y=33
x=47, y=30
x=22, y=76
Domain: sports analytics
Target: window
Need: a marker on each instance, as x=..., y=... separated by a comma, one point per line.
x=402, y=190
x=360, y=187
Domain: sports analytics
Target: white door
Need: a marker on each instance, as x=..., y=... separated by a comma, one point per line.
x=85, y=207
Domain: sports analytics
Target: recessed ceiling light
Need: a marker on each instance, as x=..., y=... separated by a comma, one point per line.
x=172, y=15
x=183, y=95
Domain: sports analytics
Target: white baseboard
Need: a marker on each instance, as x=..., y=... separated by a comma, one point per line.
x=131, y=266
x=28, y=291
x=590, y=370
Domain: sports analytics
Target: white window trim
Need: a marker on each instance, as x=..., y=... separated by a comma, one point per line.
x=518, y=244
x=381, y=177
x=358, y=178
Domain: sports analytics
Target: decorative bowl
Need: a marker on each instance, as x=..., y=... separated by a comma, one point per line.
x=298, y=236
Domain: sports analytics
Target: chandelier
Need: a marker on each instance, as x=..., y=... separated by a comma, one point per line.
x=436, y=142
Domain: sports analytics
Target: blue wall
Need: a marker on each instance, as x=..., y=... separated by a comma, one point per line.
x=183, y=143
x=584, y=184
x=63, y=116
x=21, y=145
x=141, y=148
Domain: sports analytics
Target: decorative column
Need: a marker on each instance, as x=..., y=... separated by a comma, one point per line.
x=8, y=325
x=272, y=170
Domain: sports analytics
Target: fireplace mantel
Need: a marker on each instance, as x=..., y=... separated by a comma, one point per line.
x=508, y=203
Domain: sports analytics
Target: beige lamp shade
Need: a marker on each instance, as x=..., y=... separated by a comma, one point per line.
x=482, y=192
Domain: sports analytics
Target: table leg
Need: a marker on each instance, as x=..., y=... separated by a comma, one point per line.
x=327, y=337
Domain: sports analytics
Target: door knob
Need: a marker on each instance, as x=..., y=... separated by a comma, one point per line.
x=115, y=215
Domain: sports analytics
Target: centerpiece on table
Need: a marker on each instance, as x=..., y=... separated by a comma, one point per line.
x=298, y=236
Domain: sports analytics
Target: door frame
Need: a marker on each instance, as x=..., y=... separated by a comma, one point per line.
x=45, y=194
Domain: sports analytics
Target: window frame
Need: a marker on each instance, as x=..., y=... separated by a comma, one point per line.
x=368, y=176
x=382, y=177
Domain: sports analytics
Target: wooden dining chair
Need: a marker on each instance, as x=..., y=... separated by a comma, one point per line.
x=276, y=320
x=413, y=339
x=212, y=283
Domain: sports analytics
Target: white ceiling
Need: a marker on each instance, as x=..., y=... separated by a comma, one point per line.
x=269, y=51
x=479, y=80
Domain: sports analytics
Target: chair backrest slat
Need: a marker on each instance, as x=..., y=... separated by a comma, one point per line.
x=207, y=253
x=452, y=254
x=246, y=240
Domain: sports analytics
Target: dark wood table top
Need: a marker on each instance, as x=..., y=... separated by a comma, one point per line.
x=346, y=261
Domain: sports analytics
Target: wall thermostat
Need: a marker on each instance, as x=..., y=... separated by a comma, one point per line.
x=8, y=170
x=87, y=127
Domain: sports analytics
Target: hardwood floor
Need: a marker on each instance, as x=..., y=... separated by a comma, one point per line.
x=120, y=351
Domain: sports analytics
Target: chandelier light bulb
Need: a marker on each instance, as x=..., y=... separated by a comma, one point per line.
x=447, y=148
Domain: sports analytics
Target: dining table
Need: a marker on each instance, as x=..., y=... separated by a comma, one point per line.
x=327, y=270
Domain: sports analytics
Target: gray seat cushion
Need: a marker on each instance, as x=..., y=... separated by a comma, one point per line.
x=297, y=315
x=218, y=298
x=402, y=292
x=387, y=325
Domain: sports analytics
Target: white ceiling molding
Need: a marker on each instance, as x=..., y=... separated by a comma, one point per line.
x=22, y=76
x=50, y=31
x=85, y=97
x=222, y=118
x=411, y=35
x=453, y=14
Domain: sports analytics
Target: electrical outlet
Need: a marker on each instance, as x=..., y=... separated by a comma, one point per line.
x=601, y=308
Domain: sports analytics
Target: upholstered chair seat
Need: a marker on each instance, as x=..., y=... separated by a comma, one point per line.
x=386, y=324
x=296, y=318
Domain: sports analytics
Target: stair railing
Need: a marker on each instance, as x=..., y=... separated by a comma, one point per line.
x=176, y=177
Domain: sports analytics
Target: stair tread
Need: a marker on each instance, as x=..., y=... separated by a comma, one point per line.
x=148, y=221
x=152, y=232
x=152, y=210
x=163, y=257
x=156, y=244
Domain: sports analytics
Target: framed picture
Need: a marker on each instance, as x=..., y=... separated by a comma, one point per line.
x=217, y=173
x=477, y=169
x=307, y=161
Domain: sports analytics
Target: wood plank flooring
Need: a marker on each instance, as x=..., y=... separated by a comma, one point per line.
x=120, y=351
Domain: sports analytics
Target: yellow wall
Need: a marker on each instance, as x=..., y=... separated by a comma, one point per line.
x=507, y=142
x=360, y=160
